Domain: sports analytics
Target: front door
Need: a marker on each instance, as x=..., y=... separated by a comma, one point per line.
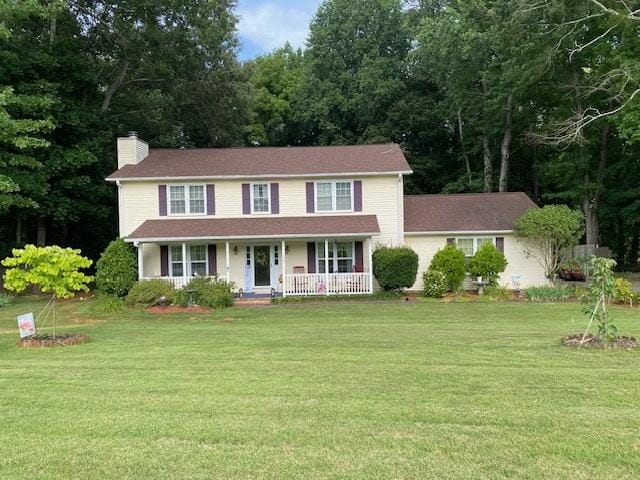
x=262, y=265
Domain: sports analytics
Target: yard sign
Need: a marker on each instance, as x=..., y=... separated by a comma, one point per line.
x=26, y=325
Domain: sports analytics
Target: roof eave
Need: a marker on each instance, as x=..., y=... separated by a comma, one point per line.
x=439, y=233
x=112, y=178
x=249, y=237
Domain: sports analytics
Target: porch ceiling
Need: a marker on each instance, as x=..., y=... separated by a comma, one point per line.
x=263, y=227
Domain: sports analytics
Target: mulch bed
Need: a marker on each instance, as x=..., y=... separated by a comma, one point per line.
x=593, y=341
x=45, y=341
x=176, y=309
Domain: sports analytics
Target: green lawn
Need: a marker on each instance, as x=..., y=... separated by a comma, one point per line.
x=393, y=390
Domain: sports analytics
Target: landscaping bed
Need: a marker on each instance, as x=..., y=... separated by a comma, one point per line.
x=594, y=341
x=45, y=341
x=163, y=310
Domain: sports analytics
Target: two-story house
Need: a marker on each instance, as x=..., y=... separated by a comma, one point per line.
x=293, y=220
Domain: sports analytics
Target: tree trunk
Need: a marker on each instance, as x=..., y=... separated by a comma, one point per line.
x=505, y=147
x=18, y=230
x=41, y=237
x=488, y=167
x=535, y=178
x=467, y=164
x=113, y=88
x=593, y=197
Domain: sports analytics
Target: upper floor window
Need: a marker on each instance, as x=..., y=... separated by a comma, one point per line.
x=261, y=198
x=186, y=199
x=335, y=196
x=470, y=246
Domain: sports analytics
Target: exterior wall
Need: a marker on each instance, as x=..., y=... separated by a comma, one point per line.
x=381, y=196
x=297, y=256
x=519, y=264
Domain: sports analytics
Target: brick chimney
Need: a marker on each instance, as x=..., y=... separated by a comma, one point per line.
x=131, y=150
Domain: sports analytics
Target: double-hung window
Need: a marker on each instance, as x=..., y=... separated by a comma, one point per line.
x=186, y=199
x=470, y=245
x=196, y=260
x=261, y=198
x=334, y=196
x=340, y=257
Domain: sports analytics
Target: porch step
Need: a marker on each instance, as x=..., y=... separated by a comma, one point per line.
x=249, y=301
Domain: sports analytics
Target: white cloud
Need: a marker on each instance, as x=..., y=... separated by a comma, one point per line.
x=269, y=24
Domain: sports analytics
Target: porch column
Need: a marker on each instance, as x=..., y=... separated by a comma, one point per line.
x=227, y=268
x=283, y=256
x=370, y=265
x=326, y=266
x=140, y=261
x=184, y=262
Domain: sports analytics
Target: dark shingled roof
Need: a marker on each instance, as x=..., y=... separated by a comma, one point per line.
x=464, y=212
x=266, y=161
x=257, y=227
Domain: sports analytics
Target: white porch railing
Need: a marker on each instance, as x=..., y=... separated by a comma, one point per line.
x=331, y=284
x=180, y=282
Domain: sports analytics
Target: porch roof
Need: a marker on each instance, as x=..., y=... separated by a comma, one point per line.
x=263, y=227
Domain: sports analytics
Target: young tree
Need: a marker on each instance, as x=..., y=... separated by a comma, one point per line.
x=53, y=269
x=549, y=230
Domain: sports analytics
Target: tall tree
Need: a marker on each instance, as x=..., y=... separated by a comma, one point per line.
x=159, y=63
x=354, y=71
x=276, y=80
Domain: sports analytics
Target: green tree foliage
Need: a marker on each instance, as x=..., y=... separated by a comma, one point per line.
x=354, y=72
x=451, y=262
x=276, y=80
x=488, y=263
x=116, y=270
x=53, y=269
x=548, y=231
x=602, y=290
x=395, y=268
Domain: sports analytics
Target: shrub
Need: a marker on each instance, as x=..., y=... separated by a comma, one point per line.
x=147, y=293
x=208, y=292
x=435, y=283
x=108, y=304
x=498, y=292
x=624, y=292
x=450, y=261
x=548, y=293
x=395, y=268
x=5, y=299
x=116, y=270
x=488, y=263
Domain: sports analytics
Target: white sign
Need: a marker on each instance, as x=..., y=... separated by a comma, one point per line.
x=26, y=325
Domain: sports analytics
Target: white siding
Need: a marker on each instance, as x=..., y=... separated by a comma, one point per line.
x=519, y=264
x=379, y=197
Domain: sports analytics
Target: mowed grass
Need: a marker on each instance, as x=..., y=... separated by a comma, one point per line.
x=379, y=390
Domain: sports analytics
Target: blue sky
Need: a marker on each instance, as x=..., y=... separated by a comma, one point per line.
x=267, y=24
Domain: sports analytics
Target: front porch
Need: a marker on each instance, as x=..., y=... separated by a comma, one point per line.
x=257, y=267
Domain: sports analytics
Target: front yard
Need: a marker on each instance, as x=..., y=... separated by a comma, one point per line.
x=380, y=390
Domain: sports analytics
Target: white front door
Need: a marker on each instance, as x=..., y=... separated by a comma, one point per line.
x=263, y=267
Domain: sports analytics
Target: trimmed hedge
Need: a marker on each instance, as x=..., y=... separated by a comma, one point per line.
x=395, y=268
x=450, y=261
x=116, y=270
